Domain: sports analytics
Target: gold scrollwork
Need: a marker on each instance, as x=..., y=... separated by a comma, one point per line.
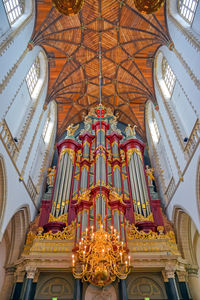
x=62, y=218
x=66, y=234
x=134, y=233
x=70, y=152
x=116, y=167
x=131, y=151
x=139, y=217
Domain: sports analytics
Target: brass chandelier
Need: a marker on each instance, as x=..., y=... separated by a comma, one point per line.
x=101, y=257
x=73, y=7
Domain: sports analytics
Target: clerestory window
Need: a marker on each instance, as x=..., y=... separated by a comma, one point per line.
x=33, y=76
x=168, y=76
x=187, y=9
x=14, y=9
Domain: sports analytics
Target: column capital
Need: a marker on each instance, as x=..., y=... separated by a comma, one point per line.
x=19, y=275
x=168, y=272
x=192, y=271
x=10, y=270
x=30, y=272
x=182, y=276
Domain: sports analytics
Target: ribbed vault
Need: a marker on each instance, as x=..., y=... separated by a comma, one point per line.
x=128, y=40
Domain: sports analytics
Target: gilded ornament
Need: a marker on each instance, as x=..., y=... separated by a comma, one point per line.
x=139, y=217
x=130, y=131
x=71, y=129
x=134, y=233
x=51, y=175
x=131, y=151
x=149, y=174
x=70, y=152
x=148, y=6
x=62, y=218
x=68, y=7
x=100, y=258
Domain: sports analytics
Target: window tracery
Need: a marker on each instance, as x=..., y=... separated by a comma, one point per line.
x=33, y=76
x=159, y=158
x=187, y=9
x=14, y=9
x=168, y=76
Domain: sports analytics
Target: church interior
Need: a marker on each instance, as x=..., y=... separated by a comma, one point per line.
x=99, y=149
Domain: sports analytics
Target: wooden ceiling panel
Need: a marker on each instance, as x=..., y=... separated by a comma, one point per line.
x=107, y=36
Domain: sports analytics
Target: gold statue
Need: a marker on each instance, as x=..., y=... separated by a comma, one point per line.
x=91, y=155
x=149, y=174
x=79, y=154
x=51, y=175
x=109, y=155
x=122, y=154
x=130, y=131
x=71, y=129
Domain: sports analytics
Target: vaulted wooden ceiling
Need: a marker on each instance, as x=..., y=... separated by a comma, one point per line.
x=128, y=42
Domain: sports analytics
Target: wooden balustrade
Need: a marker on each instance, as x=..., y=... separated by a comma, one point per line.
x=8, y=140
x=31, y=189
x=193, y=140
x=170, y=189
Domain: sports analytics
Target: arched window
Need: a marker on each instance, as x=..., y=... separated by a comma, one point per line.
x=168, y=76
x=40, y=161
x=25, y=104
x=14, y=9
x=33, y=76
x=155, y=133
x=187, y=9
x=158, y=153
x=176, y=102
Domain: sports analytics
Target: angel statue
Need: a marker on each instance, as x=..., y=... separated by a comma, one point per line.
x=51, y=175
x=149, y=174
x=71, y=129
x=130, y=131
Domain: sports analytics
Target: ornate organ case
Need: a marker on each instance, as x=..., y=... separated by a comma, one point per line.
x=101, y=175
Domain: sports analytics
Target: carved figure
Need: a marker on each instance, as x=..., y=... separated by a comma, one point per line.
x=87, y=124
x=149, y=174
x=92, y=112
x=109, y=155
x=51, y=175
x=91, y=155
x=122, y=154
x=130, y=131
x=109, y=112
x=79, y=154
x=71, y=129
x=113, y=124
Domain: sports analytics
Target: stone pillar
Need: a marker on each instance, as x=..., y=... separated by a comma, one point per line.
x=8, y=283
x=122, y=290
x=170, y=284
x=18, y=285
x=183, y=286
x=193, y=282
x=30, y=286
x=78, y=289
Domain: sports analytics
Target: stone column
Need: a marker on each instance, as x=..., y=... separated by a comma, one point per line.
x=30, y=286
x=8, y=283
x=183, y=285
x=193, y=282
x=122, y=290
x=78, y=289
x=18, y=285
x=170, y=284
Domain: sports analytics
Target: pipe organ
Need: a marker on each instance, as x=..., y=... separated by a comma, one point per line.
x=101, y=176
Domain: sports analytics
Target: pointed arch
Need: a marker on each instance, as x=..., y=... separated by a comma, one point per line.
x=3, y=189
